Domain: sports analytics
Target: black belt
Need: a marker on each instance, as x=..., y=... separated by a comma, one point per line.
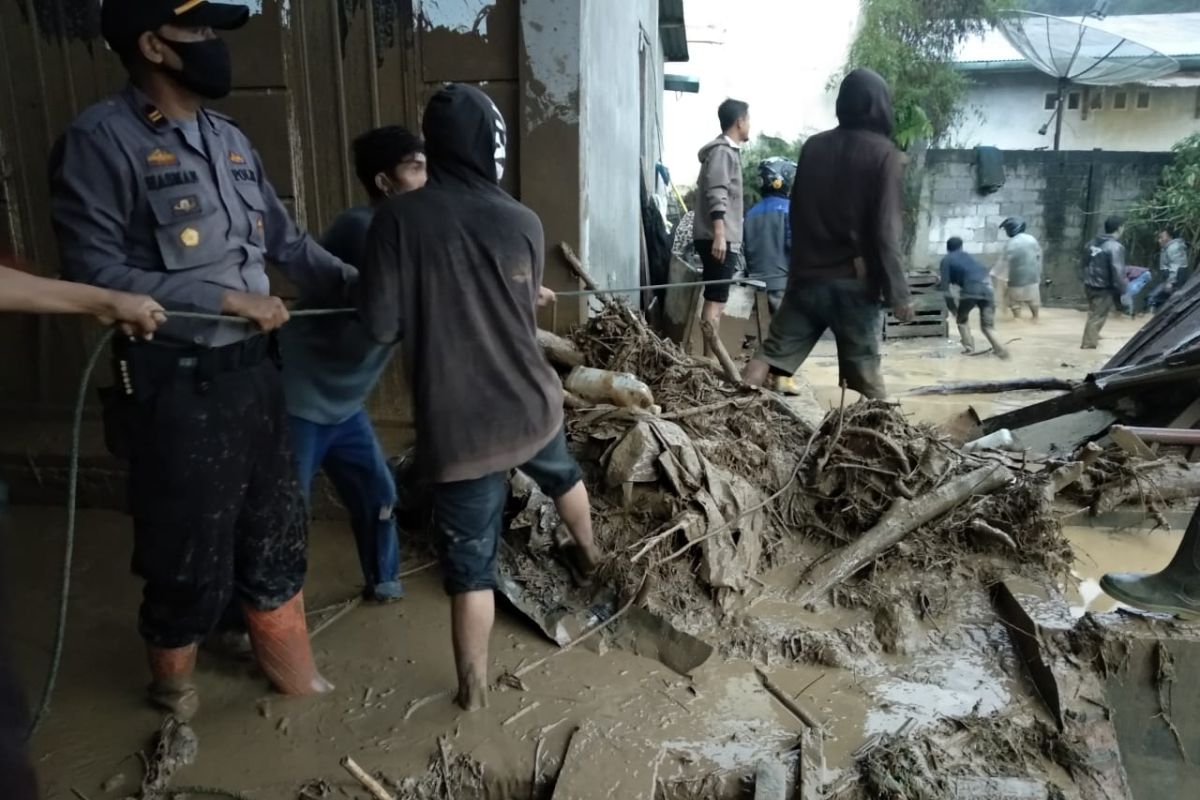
x=143, y=366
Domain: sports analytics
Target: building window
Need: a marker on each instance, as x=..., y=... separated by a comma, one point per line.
x=1120, y=100
x=1073, y=101
x=1051, y=101
x=1143, y=99
x=1096, y=102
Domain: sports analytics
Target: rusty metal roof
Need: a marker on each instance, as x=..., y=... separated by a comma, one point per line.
x=673, y=30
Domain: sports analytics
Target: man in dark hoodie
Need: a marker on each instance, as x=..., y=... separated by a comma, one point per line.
x=455, y=269
x=717, y=227
x=845, y=216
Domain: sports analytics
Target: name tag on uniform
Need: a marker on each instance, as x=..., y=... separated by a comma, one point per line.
x=168, y=179
x=244, y=174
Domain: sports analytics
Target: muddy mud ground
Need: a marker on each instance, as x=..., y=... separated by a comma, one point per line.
x=937, y=659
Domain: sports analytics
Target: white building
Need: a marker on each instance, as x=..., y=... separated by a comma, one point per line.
x=1011, y=102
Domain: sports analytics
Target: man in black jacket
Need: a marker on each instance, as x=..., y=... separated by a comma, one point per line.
x=1103, y=274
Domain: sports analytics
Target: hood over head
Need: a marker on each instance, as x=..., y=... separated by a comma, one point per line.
x=865, y=103
x=465, y=135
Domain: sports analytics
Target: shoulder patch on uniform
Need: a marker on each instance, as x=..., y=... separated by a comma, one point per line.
x=161, y=157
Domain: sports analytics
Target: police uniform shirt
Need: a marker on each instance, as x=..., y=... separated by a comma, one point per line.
x=179, y=211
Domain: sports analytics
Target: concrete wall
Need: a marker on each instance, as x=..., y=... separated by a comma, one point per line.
x=621, y=113
x=1064, y=197
x=1007, y=109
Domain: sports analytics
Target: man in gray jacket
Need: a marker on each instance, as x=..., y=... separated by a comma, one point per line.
x=1022, y=268
x=717, y=229
x=1172, y=267
x=1103, y=276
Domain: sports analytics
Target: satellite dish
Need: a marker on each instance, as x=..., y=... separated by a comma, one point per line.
x=1076, y=52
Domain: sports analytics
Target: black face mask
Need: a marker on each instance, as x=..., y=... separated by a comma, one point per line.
x=207, y=68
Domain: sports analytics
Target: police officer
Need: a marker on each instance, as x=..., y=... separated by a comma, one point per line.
x=153, y=193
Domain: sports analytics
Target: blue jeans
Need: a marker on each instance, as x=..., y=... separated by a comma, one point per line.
x=351, y=456
x=1136, y=285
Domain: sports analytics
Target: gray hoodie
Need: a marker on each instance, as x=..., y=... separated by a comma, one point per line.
x=719, y=192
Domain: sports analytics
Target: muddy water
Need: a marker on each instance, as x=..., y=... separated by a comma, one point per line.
x=1047, y=348
x=1105, y=549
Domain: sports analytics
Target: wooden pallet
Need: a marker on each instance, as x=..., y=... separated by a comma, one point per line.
x=930, y=308
x=925, y=324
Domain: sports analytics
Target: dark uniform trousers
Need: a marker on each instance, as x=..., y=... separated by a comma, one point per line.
x=217, y=508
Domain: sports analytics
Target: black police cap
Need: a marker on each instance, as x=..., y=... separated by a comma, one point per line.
x=123, y=21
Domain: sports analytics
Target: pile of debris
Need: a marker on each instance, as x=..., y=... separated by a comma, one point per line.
x=708, y=484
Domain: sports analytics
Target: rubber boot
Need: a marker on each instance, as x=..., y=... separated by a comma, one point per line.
x=280, y=641
x=172, y=688
x=968, y=341
x=1175, y=590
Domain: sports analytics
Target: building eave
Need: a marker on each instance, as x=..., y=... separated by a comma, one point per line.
x=672, y=29
x=1020, y=66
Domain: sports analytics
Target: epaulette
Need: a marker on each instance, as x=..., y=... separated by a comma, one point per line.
x=152, y=115
x=94, y=115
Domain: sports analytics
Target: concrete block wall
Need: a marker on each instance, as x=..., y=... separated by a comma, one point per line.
x=1064, y=197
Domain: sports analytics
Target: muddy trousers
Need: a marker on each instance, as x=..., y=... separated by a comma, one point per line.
x=844, y=306
x=1100, y=303
x=217, y=509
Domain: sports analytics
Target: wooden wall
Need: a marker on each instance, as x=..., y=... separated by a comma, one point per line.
x=309, y=77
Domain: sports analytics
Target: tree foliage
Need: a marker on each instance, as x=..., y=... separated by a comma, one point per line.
x=762, y=148
x=1176, y=202
x=912, y=43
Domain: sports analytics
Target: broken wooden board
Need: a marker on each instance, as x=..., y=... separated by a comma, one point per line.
x=1130, y=442
x=605, y=764
x=1039, y=621
x=1065, y=434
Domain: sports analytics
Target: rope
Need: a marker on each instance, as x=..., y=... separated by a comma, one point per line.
x=73, y=492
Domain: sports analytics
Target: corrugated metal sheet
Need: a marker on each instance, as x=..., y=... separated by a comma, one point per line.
x=673, y=28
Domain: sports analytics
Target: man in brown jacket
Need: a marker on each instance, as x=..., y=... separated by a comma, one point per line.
x=717, y=229
x=845, y=217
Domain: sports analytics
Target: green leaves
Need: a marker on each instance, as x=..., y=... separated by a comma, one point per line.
x=912, y=125
x=1176, y=202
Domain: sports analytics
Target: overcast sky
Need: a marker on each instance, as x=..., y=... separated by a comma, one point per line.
x=777, y=56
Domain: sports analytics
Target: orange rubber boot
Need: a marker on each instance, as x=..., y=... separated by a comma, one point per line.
x=280, y=641
x=172, y=688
